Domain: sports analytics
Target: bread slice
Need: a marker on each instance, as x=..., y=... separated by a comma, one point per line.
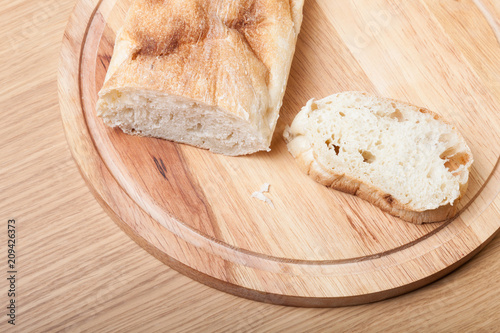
x=211, y=74
x=404, y=159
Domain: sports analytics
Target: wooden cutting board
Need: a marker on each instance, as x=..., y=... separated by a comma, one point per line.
x=317, y=247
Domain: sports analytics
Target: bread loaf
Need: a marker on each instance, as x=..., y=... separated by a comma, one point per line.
x=207, y=73
x=406, y=160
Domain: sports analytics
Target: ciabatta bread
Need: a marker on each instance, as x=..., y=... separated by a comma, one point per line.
x=402, y=158
x=207, y=73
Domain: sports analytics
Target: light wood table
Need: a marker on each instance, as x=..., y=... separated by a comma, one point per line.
x=77, y=271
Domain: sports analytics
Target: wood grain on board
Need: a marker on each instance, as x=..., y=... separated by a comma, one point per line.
x=317, y=247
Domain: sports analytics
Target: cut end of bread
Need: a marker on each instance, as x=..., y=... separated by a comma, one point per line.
x=211, y=74
x=403, y=158
x=179, y=119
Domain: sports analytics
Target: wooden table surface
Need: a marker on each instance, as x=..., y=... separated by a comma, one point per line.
x=77, y=271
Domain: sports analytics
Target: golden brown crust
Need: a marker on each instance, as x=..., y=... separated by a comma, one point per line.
x=309, y=165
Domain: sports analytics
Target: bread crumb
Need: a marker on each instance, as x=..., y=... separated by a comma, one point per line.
x=259, y=195
x=264, y=187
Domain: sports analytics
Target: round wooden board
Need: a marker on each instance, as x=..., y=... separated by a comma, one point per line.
x=317, y=247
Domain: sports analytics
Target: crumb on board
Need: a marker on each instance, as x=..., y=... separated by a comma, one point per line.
x=259, y=195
